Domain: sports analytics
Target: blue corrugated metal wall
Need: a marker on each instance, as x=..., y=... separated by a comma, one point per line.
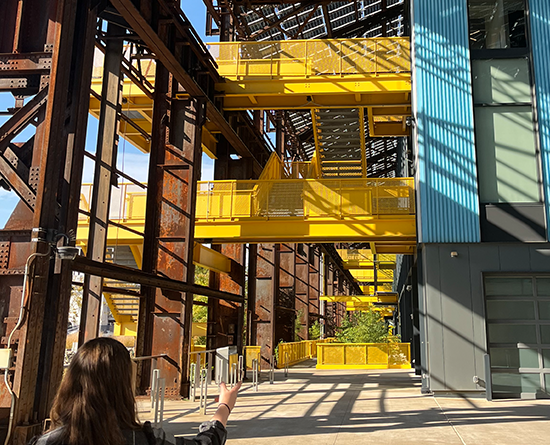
x=447, y=176
x=540, y=37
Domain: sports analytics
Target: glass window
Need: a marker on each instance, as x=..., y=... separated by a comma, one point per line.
x=497, y=24
x=545, y=334
x=510, y=310
x=544, y=310
x=508, y=286
x=543, y=286
x=514, y=358
x=516, y=383
x=512, y=333
x=506, y=152
x=501, y=81
x=546, y=360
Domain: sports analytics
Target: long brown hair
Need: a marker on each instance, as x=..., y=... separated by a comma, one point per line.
x=95, y=401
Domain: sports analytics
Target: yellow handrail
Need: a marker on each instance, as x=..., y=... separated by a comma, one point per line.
x=304, y=58
x=305, y=199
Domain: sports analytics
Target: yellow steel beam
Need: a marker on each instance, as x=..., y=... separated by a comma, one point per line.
x=382, y=276
x=213, y=260
x=363, y=139
x=398, y=231
x=387, y=298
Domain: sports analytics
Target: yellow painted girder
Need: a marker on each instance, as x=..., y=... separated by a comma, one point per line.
x=360, y=299
x=382, y=276
x=397, y=231
x=368, y=265
x=211, y=259
x=392, y=91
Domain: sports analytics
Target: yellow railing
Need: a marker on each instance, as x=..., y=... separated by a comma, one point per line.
x=305, y=199
x=304, y=58
x=296, y=352
x=364, y=356
x=253, y=352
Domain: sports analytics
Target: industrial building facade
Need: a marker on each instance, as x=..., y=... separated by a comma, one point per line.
x=481, y=145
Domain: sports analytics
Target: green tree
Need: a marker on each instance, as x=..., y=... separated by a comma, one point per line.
x=363, y=327
x=315, y=331
x=200, y=313
x=298, y=324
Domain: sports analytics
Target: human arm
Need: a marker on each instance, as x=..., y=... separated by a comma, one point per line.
x=227, y=402
x=213, y=432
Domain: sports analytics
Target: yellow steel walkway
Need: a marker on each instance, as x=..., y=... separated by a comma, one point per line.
x=367, y=82
x=307, y=210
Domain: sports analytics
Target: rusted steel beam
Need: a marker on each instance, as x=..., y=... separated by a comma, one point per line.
x=264, y=317
x=105, y=164
x=173, y=65
x=302, y=289
x=225, y=319
x=286, y=296
x=314, y=284
x=21, y=119
x=164, y=322
x=65, y=29
x=128, y=274
x=146, y=317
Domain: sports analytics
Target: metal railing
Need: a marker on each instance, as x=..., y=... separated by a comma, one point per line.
x=305, y=199
x=196, y=359
x=305, y=58
x=158, y=387
x=295, y=352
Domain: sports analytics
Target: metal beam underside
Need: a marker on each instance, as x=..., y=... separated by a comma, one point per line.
x=384, y=90
x=127, y=274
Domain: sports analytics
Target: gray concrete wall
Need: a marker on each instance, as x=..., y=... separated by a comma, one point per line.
x=452, y=308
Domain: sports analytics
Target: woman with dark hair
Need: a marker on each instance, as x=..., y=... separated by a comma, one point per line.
x=95, y=403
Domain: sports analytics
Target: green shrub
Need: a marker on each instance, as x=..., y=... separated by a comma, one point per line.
x=363, y=327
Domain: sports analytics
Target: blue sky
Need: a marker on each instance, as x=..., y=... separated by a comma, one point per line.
x=130, y=160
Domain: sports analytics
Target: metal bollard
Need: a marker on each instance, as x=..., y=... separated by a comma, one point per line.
x=241, y=367
x=255, y=374
x=159, y=402
x=204, y=391
x=286, y=364
x=197, y=378
x=192, y=372
x=154, y=387
x=271, y=370
x=233, y=376
x=209, y=368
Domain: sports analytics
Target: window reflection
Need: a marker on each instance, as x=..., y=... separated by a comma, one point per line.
x=497, y=24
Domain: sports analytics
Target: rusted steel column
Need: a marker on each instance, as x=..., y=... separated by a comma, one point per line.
x=165, y=316
x=251, y=333
x=286, y=296
x=225, y=318
x=302, y=289
x=66, y=29
x=267, y=284
x=314, y=285
x=106, y=153
x=279, y=134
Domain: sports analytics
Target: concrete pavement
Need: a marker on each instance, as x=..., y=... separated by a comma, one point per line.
x=362, y=407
